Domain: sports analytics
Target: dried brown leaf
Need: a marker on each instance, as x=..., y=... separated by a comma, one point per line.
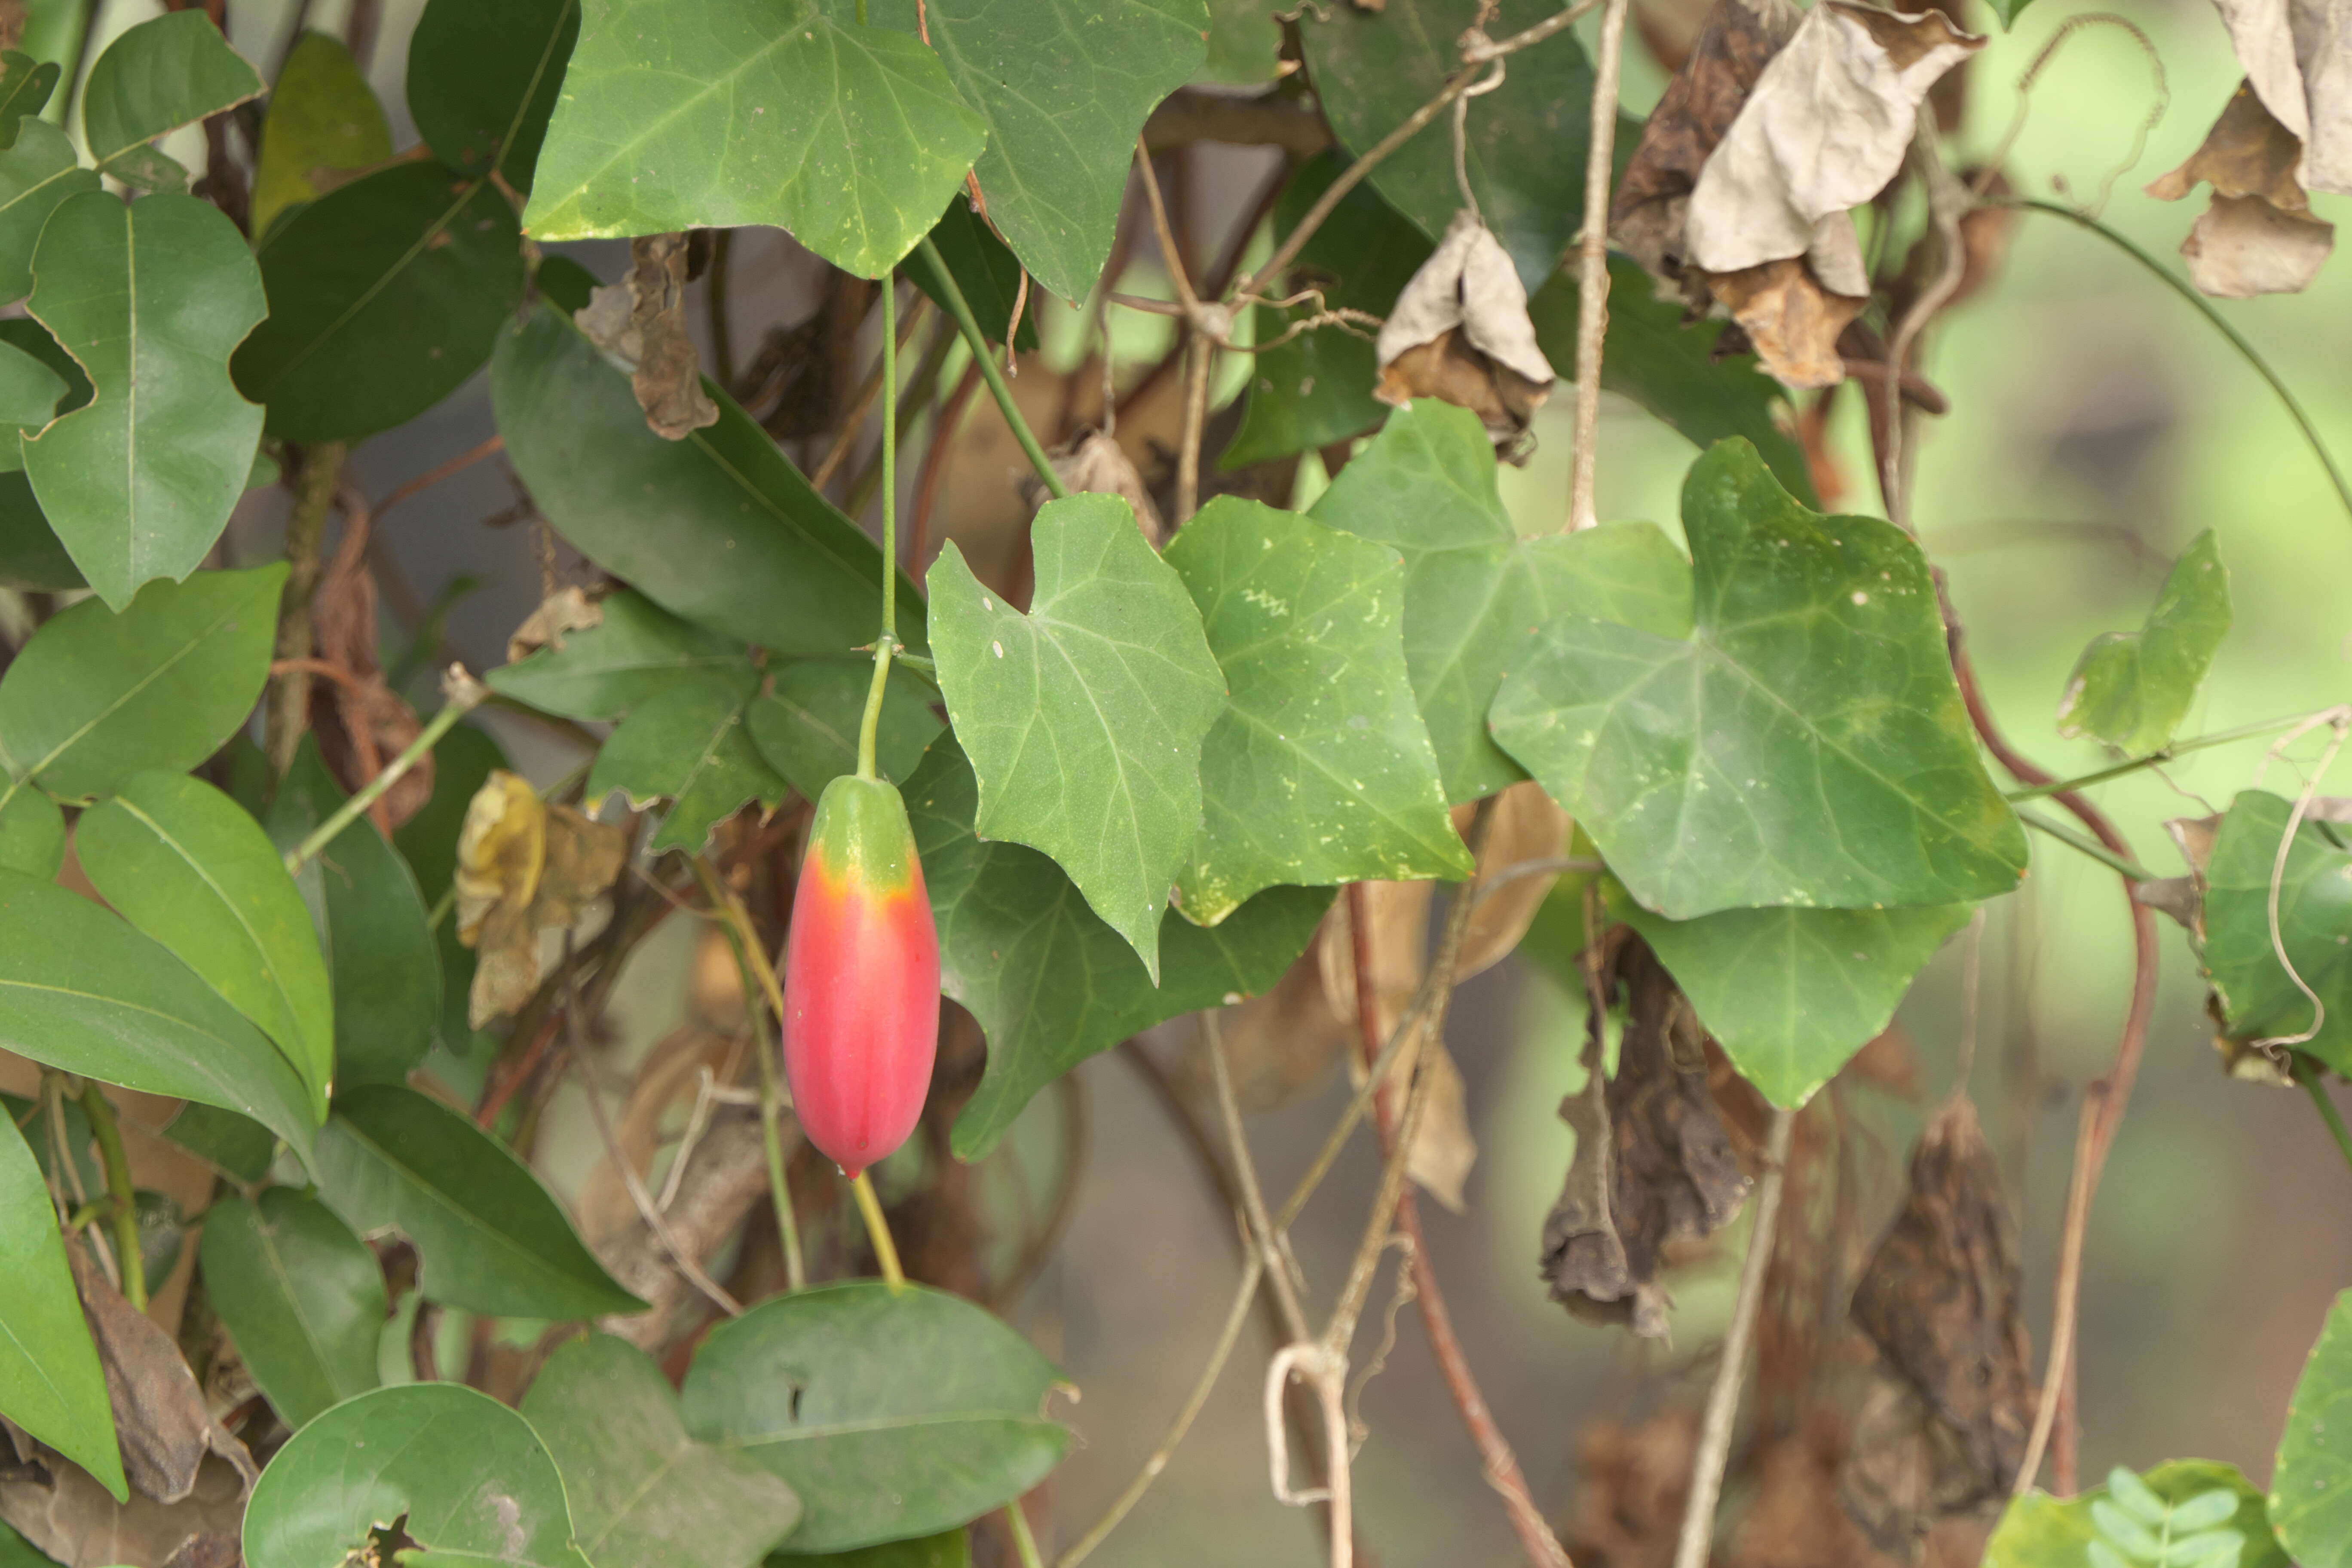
x=1460, y=332
x=1634, y=1481
x=667, y=379
x=1940, y=1299
x=1790, y=319
x=57, y=1506
x=2258, y=236
x=2294, y=54
x=1526, y=824
x=160, y=1417
x=1279, y=1044
x=568, y=609
x=524, y=867
x=726, y=1174
x=1096, y=464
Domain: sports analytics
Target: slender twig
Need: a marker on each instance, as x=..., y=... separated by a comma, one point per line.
x=1199, y=356
x=306, y=532
x=2123, y=863
x=2312, y=1075
x=878, y=1229
x=122, y=1197
x=1947, y=202
x=961, y=308
x=869, y=392
x=1024, y=1543
x=2171, y=752
x=1723, y=1396
x=759, y=985
x=439, y=472
x=1542, y=866
x=2067, y=1294
x=461, y=695
x=2220, y=324
x=1592, y=280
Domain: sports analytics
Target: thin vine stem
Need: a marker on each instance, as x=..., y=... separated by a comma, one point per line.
x=878, y=1229
x=122, y=1197
x=1592, y=268
x=2220, y=324
x=2123, y=863
x=2309, y=1074
x=464, y=695
x=759, y=984
x=870, y=726
x=1023, y=1541
x=961, y=308
x=2171, y=752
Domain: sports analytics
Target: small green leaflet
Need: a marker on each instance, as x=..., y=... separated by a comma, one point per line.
x=806, y=724
x=1049, y=983
x=2207, y=1508
x=1806, y=745
x=184, y=863
x=482, y=80
x=95, y=697
x=35, y=175
x=1791, y=994
x=642, y=1490
x=155, y=78
x=2258, y=999
x=716, y=113
x=322, y=115
x=687, y=745
x=151, y=298
x=468, y=1477
x=300, y=1293
x=1320, y=770
x=1474, y=588
x=50, y=1380
x=893, y=1413
x=637, y=651
x=2132, y=690
x=1062, y=88
x=1084, y=718
x=2311, y=1485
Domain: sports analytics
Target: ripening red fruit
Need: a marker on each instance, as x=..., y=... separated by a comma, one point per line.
x=861, y=977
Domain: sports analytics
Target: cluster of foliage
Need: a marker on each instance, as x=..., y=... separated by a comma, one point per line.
x=1132, y=785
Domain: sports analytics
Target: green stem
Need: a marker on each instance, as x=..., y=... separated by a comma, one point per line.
x=459, y=704
x=2088, y=845
x=2221, y=324
x=1022, y=1542
x=990, y=371
x=2308, y=1074
x=878, y=1229
x=788, y=1226
x=122, y=1197
x=2177, y=749
x=870, y=727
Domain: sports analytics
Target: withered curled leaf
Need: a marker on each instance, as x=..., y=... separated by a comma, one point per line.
x=1653, y=1167
x=160, y=1417
x=1460, y=333
x=524, y=867
x=642, y=326
x=2294, y=56
x=1944, y=1429
x=568, y=609
x=1094, y=463
x=62, y=1510
x=2258, y=236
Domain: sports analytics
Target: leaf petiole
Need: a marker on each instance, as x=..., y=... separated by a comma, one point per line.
x=2089, y=846
x=877, y=1230
x=2167, y=753
x=961, y=308
x=463, y=694
x=870, y=726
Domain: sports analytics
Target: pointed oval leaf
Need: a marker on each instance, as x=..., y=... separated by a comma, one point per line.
x=806, y=723
x=1806, y=745
x=301, y=1294
x=50, y=1380
x=97, y=697
x=384, y=296
x=184, y=863
x=2311, y=1486
x=470, y=1478
x=718, y=527
x=159, y=76
x=1320, y=770
x=636, y=652
x=642, y=1490
x=322, y=115
x=725, y=112
x=35, y=175
x=688, y=746
x=1084, y=718
x=492, y=1237
x=32, y=833
x=1050, y=984
x=893, y=1413
x=2133, y=689
x=81, y=991
x=482, y=80
x=25, y=84
x=1474, y=588
x=150, y=298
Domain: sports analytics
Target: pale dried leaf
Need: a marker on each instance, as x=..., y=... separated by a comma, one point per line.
x=160, y=1417
x=1525, y=825
x=1279, y=1044
x=1460, y=331
x=667, y=1080
x=568, y=609
x=668, y=375
x=2258, y=236
x=2298, y=55
x=57, y=1506
x=1444, y=1147
x=524, y=867
x=1791, y=321
x=1095, y=464
x=605, y=321
x=726, y=1174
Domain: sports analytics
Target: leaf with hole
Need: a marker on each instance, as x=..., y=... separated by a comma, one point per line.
x=717, y=113
x=1050, y=984
x=636, y=652
x=97, y=697
x=718, y=527
x=1425, y=487
x=184, y=863
x=1084, y=718
x=2258, y=998
x=1320, y=770
x=301, y=1294
x=370, y=923
x=1805, y=744
x=492, y=1237
x=150, y=298
x=806, y=723
x=893, y=1413
x=323, y=118
x=155, y=78
x=2132, y=690
x=642, y=1489
x=688, y=746
x=482, y=81
x=464, y=1479
x=50, y=1380
x=384, y=296
x=83, y=992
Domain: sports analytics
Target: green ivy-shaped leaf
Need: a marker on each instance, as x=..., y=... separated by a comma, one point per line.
x=1320, y=770
x=322, y=115
x=482, y=80
x=1062, y=88
x=2132, y=690
x=893, y=1413
x=301, y=1295
x=2258, y=998
x=2311, y=1486
x=716, y=113
x=150, y=298
x=642, y=1490
x=637, y=651
x=806, y=723
x=1474, y=588
x=466, y=1477
x=1804, y=745
x=155, y=78
x=687, y=745
x=1050, y=984
x=1084, y=718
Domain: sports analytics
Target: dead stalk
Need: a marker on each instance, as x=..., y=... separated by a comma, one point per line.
x=1723, y=1396
x=1592, y=281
